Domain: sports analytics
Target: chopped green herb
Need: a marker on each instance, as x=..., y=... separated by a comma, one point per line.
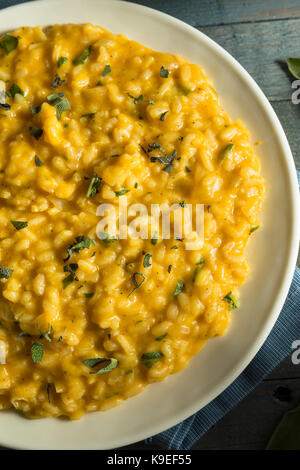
x=182, y=204
x=129, y=371
x=60, y=339
x=149, y=359
x=36, y=132
x=185, y=91
x=136, y=185
x=5, y=273
x=83, y=57
x=154, y=239
x=198, y=267
x=94, y=186
x=169, y=268
x=36, y=109
x=89, y=295
x=180, y=138
x=88, y=115
x=67, y=281
x=116, y=155
x=137, y=282
x=164, y=73
x=168, y=168
x=61, y=61
x=14, y=90
x=179, y=287
x=47, y=334
x=107, y=238
x=110, y=361
x=5, y=106
x=57, y=82
x=174, y=247
x=160, y=338
x=23, y=335
x=136, y=100
x=122, y=192
x=226, y=151
x=252, y=229
x=163, y=115
x=151, y=102
x=232, y=300
x=62, y=104
x=9, y=43
x=99, y=83
x=146, y=262
x=106, y=71
x=80, y=244
x=37, y=351
x=187, y=169
x=38, y=162
x=18, y=224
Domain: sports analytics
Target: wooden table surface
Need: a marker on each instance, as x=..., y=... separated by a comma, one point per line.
x=260, y=34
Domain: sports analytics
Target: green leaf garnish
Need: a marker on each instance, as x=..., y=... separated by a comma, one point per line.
x=137, y=279
x=169, y=268
x=38, y=162
x=122, y=192
x=106, y=71
x=37, y=351
x=154, y=239
x=232, y=300
x=60, y=102
x=226, y=151
x=47, y=334
x=198, y=267
x=164, y=73
x=14, y=90
x=168, y=168
x=5, y=273
x=182, y=204
x=146, y=262
x=136, y=100
x=18, y=224
x=286, y=434
x=5, y=106
x=36, y=109
x=9, y=43
x=80, y=244
x=111, y=364
x=163, y=115
x=179, y=287
x=36, y=132
x=252, y=229
x=57, y=82
x=94, y=186
x=107, y=238
x=67, y=281
x=61, y=61
x=83, y=57
x=151, y=102
x=294, y=66
x=149, y=359
x=89, y=295
x=88, y=115
x=187, y=169
x=160, y=338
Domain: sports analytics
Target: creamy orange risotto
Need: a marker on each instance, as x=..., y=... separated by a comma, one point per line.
x=87, y=116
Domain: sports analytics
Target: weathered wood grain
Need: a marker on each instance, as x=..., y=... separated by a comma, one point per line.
x=216, y=12
x=262, y=49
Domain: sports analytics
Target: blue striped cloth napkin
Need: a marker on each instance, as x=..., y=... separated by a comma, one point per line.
x=274, y=350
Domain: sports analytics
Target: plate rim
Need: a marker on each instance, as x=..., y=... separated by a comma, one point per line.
x=287, y=272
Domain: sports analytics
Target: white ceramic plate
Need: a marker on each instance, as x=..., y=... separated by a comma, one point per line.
x=272, y=251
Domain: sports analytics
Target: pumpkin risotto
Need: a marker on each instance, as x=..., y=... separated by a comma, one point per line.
x=87, y=116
